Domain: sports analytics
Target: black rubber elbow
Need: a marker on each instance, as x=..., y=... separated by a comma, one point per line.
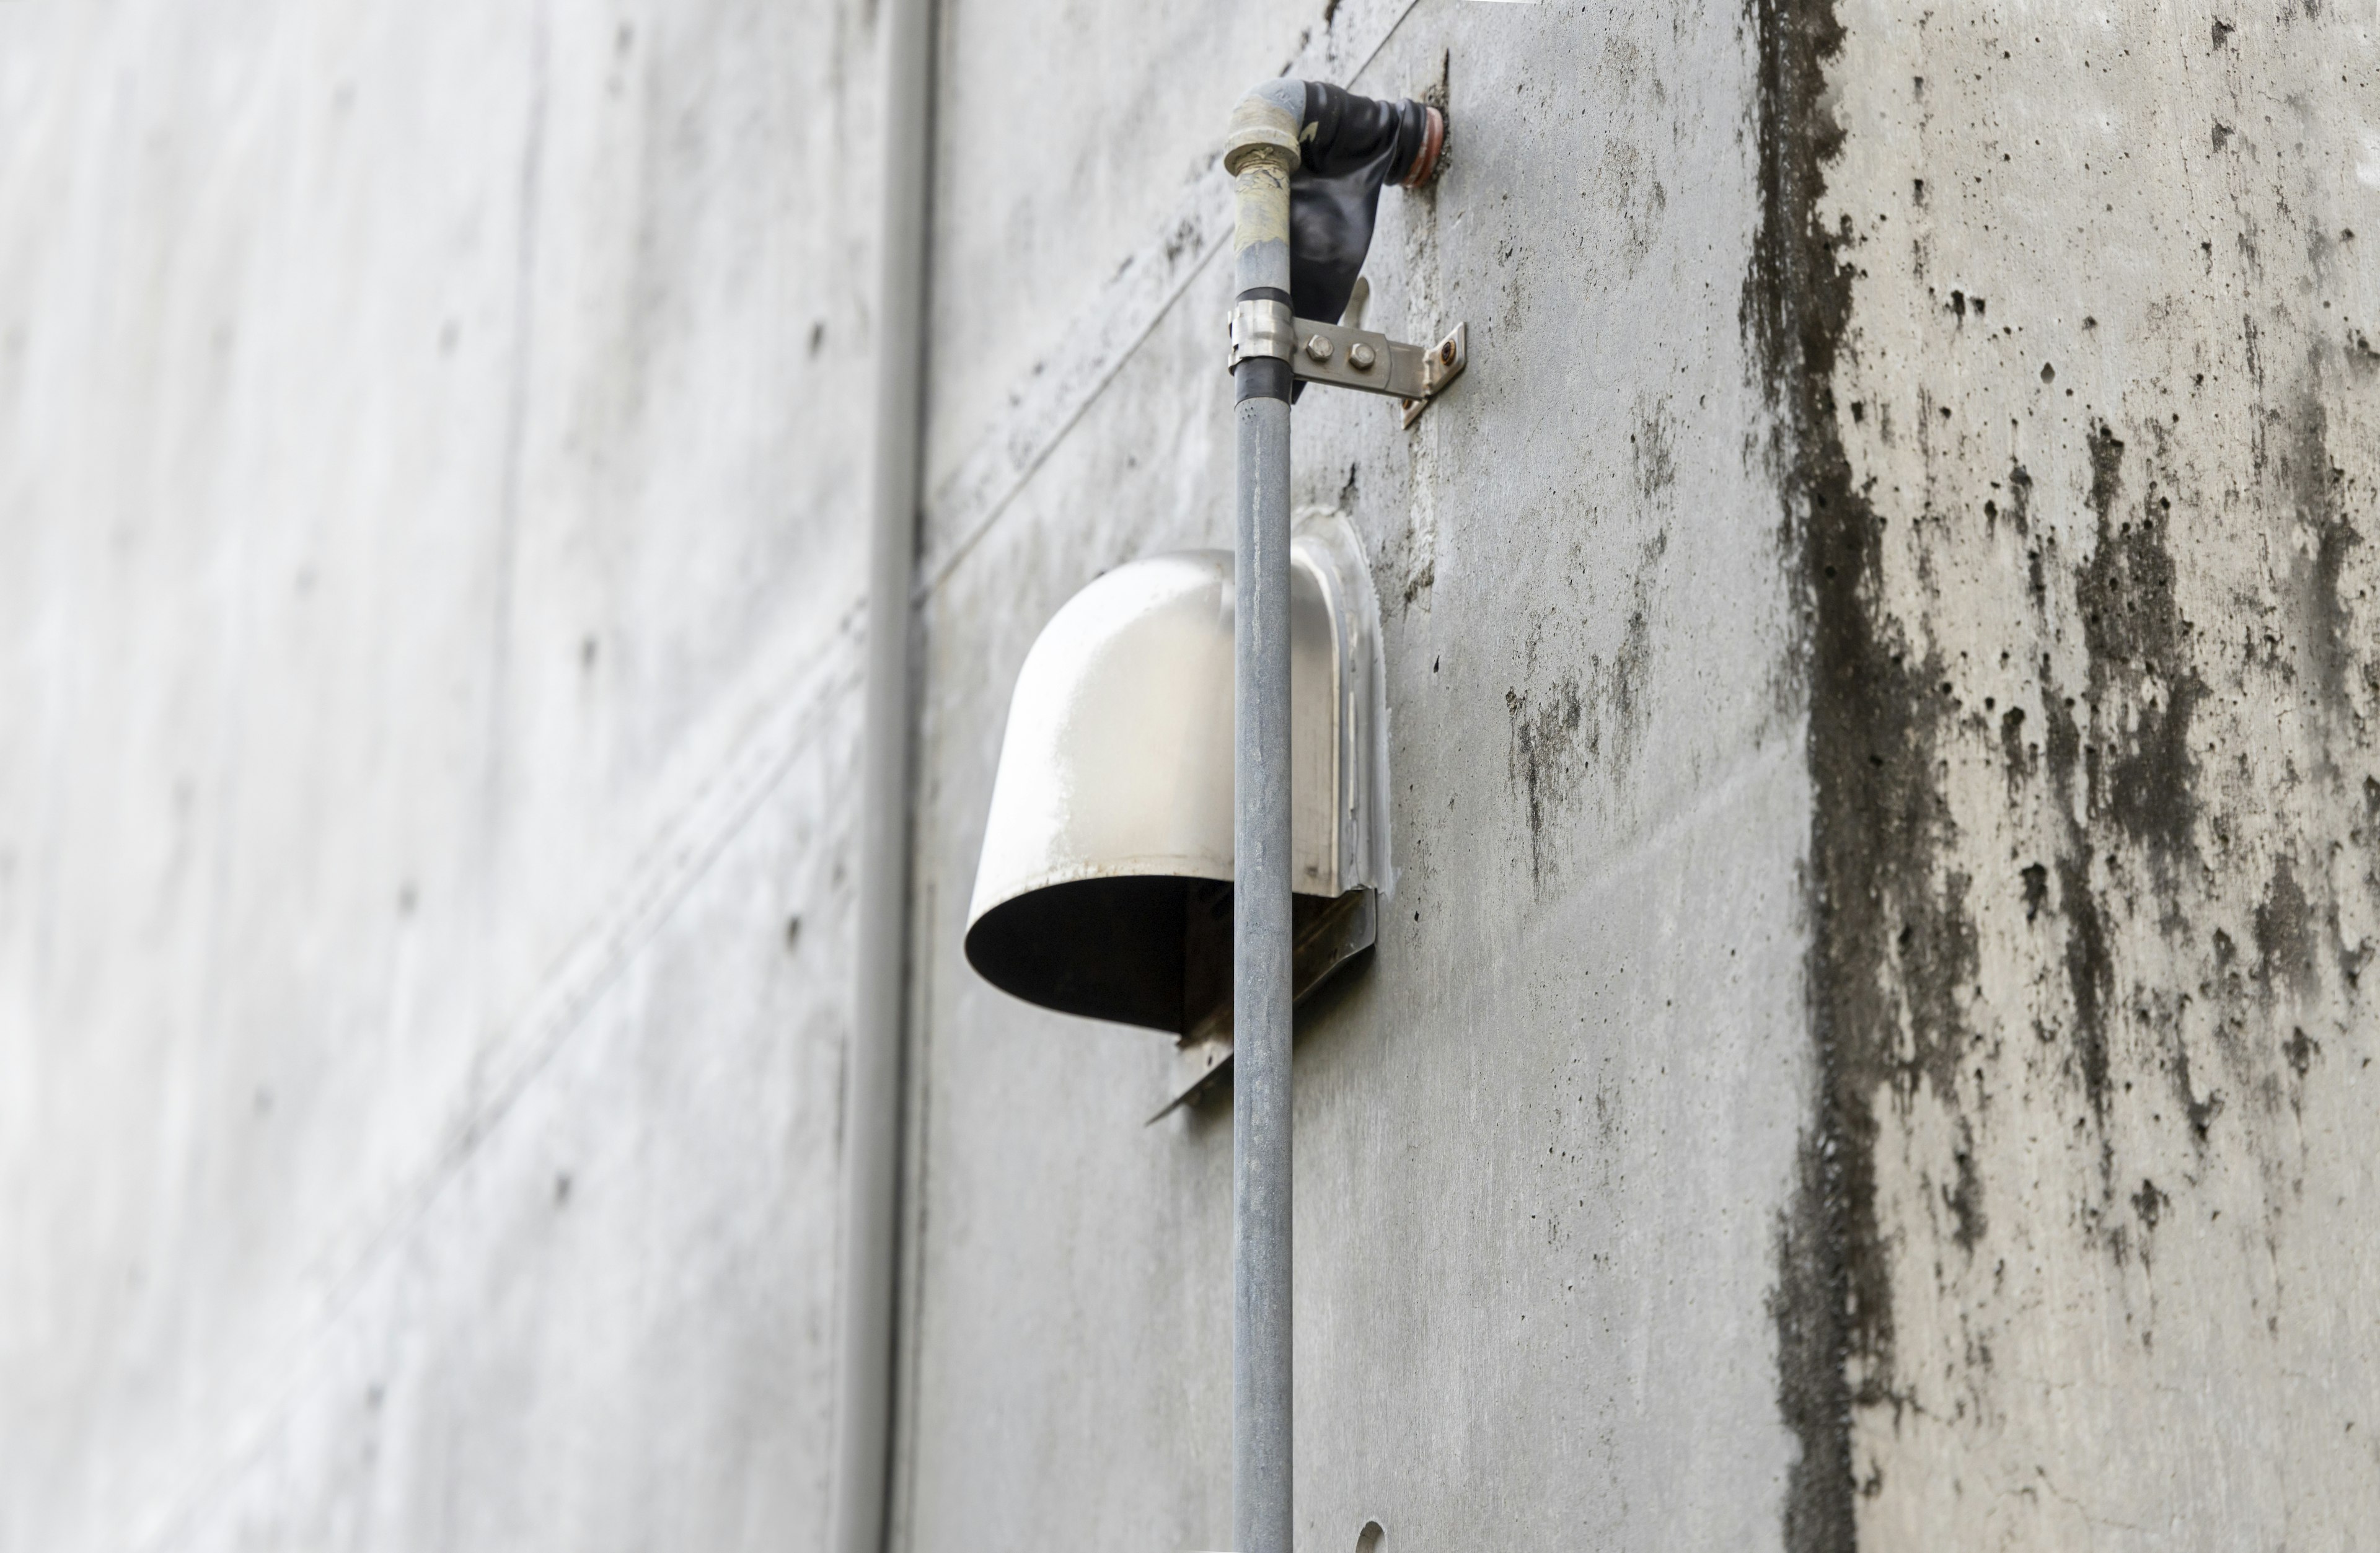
x=1353, y=147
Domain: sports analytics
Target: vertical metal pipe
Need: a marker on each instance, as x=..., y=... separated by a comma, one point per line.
x=1260, y=1009
x=1260, y=154
x=872, y=1113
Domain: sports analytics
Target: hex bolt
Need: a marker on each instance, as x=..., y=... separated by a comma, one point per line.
x=1318, y=348
x=1361, y=356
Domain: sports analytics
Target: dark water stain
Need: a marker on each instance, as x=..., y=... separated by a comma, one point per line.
x=1546, y=740
x=2018, y=759
x=2351, y=960
x=1582, y=726
x=2143, y=688
x=2202, y=1110
x=1938, y=953
x=1870, y=735
x=2324, y=623
x=1624, y=685
x=1965, y=1201
x=2020, y=488
x=1655, y=451
x=2285, y=934
x=2090, y=977
x=2106, y=470
x=2150, y=1203
x=2090, y=967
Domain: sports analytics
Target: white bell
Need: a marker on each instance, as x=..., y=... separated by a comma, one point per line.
x=1104, y=888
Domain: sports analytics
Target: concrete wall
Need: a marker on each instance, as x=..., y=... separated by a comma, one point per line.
x=1546, y=1130
x=2090, y=442
x=1865, y=1048
x=428, y=468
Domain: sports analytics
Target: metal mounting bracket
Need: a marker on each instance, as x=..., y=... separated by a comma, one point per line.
x=1324, y=935
x=1344, y=358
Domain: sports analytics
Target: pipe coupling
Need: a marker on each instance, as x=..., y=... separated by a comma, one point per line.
x=1262, y=328
x=1262, y=127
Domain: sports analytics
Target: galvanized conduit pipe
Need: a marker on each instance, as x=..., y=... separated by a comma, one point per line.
x=1260, y=153
x=1307, y=162
x=871, y=1110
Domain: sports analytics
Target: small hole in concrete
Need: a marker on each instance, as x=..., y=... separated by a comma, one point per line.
x=1369, y=1537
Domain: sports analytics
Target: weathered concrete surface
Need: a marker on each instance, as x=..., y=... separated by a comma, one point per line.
x=1547, y=1129
x=1866, y=1045
x=2069, y=307
x=426, y=475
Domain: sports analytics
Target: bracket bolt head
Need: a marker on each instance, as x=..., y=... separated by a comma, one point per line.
x=1318, y=349
x=1446, y=353
x=1361, y=356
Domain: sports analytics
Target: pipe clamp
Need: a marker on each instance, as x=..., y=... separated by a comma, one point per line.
x=1262, y=328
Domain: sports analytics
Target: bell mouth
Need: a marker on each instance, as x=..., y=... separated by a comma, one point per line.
x=1151, y=950
x=1134, y=949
